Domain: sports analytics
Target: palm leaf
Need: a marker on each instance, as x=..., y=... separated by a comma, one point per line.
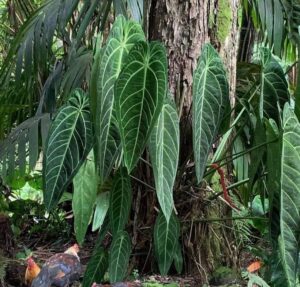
x=23, y=141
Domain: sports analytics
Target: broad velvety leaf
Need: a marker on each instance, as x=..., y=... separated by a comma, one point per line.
x=290, y=196
x=85, y=191
x=140, y=91
x=102, y=204
x=123, y=36
x=69, y=142
x=96, y=268
x=119, y=256
x=164, y=153
x=120, y=201
x=210, y=94
x=274, y=88
x=165, y=240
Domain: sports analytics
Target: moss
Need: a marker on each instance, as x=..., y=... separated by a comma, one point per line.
x=224, y=275
x=224, y=20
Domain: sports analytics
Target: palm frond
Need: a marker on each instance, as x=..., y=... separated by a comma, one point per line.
x=21, y=148
x=279, y=21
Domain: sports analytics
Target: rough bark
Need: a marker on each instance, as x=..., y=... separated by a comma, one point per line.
x=184, y=27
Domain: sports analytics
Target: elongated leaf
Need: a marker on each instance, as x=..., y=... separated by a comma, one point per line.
x=256, y=157
x=123, y=36
x=69, y=142
x=165, y=240
x=102, y=204
x=140, y=91
x=96, y=268
x=290, y=196
x=210, y=94
x=85, y=191
x=273, y=176
x=119, y=257
x=120, y=201
x=241, y=163
x=164, y=153
x=274, y=88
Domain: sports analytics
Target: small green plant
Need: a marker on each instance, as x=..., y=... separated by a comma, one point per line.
x=135, y=274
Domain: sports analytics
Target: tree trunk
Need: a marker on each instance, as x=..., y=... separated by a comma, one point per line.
x=184, y=26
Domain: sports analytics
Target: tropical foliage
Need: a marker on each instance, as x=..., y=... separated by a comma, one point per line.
x=93, y=101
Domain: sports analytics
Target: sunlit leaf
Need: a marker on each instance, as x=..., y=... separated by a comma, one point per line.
x=274, y=138
x=178, y=258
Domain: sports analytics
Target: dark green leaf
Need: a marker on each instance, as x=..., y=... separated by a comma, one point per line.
x=210, y=94
x=120, y=201
x=96, y=268
x=165, y=239
x=140, y=91
x=69, y=142
x=164, y=153
x=119, y=257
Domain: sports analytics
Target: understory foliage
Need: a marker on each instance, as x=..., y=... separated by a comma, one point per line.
x=92, y=101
